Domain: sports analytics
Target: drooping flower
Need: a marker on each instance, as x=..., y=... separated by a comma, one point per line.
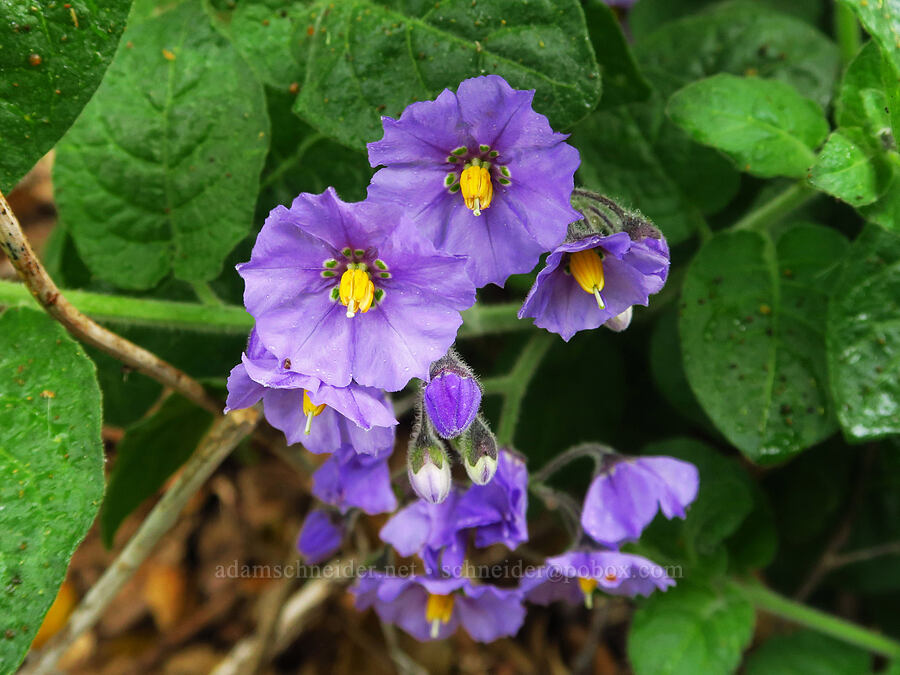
x=452, y=396
x=320, y=537
x=479, y=452
x=627, y=492
x=573, y=577
x=427, y=463
x=322, y=417
x=353, y=292
x=351, y=480
x=595, y=277
x=429, y=608
x=482, y=174
x=497, y=510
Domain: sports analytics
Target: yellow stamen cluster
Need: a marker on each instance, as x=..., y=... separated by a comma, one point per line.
x=588, y=586
x=311, y=410
x=477, y=189
x=356, y=291
x=587, y=268
x=438, y=611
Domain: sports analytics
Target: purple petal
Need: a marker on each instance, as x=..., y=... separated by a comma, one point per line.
x=243, y=392
x=488, y=613
x=320, y=537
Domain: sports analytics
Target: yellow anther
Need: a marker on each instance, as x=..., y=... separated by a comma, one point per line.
x=587, y=268
x=477, y=188
x=587, y=587
x=438, y=611
x=356, y=291
x=311, y=410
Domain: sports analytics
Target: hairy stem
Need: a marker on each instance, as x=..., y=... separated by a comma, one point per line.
x=777, y=208
x=222, y=438
x=206, y=295
x=514, y=385
x=596, y=451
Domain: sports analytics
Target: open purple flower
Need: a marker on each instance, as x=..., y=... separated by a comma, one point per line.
x=322, y=417
x=482, y=174
x=593, y=279
x=432, y=609
x=625, y=496
x=350, y=480
x=497, y=510
x=573, y=577
x=353, y=292
x=320, y=536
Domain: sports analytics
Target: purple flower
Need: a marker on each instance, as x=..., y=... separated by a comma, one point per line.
x=353, y=292
x=573, y=577
x=482, y=174
x=322, y=417
x=595, y=278
x=347, y=480
x=497, y=510
x=452, y=400
x=624, y=497
x=319, y=537
x=427, y=463
x=432, y=609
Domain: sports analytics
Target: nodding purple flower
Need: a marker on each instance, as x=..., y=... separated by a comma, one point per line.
x=482, y=174
x=322, y=417
x=595, y=278
x=430, y=608
x=350, y=480
x=452, y=396
x=353, y=292
x=320, y=537
x=573, y=577
x=427, y=463
x=625, y=496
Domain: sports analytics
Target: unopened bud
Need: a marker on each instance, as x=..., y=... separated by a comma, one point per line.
x=620, y=321
x=452, y=396
x=428, y=465
x=478, y=449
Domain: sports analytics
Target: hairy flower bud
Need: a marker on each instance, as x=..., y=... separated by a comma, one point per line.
x=428, y=465
x=452, y=397
x=478, y=449
x=620, y=321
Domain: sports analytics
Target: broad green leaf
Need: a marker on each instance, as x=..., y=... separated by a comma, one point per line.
x=622, y=80
x=690, y=629
x=864, y=337
x=364, y=60
x=765, y=126
x=863, y=101
x=754, y=544
x=52, y=56
x=741, y=38
x=151, y=451
x=161, y=172
x=881, y=18
x=634, y=155
x=852, y=167
x=51, y=468
x=752, y=337
x=127, y=394
x=809, y=653
x=668, y=370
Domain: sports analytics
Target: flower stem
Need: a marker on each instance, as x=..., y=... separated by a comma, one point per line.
x=776, y=209
x=206, y=295
x=817, y=620
x=846, y=32
x=595, y=451
x=515, y=384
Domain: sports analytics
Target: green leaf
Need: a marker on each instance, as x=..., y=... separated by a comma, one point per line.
x=161, y=172
x=809, y=653
x=690, y=629
x=881, y=18
x=741, y=38
x=622, y=80
x=364, y=60
x=51, y=468
x=765, y=126
x=852, y=167
x=127, y=394
x=151, y=451
x=634, y=155
x=52, y=56
x=863, y=337
x=752, y=337
x=863, y=101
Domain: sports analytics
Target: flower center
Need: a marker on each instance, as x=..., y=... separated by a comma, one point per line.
x=438, y=611
x=587, y=586
x=356, y=290
x=587, y=268
x=476, y=182
x=477, y=189
x=310, y=410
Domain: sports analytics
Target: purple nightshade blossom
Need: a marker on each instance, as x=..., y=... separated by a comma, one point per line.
x=429, y=608
x=497, y=510
x=320, y=537
x=595, y=278
x=334, y=417
x=347, y=480
x=625, y=496
x=353, y=292
x=482, y=174
x=451, y=400
x=573, y=577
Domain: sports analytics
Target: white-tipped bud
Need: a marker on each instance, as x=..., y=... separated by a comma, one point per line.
x=428, y=466
x=620, y=321
x=478, y=449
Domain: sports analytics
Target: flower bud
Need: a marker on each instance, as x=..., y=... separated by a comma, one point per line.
x=478, y=449
x=452, y=397
x=620, y=321
x=428, y=465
